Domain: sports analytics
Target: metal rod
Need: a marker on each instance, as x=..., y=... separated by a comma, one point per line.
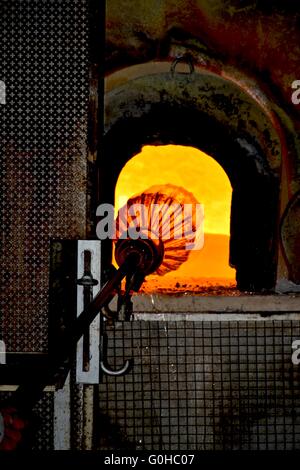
x=30, y=391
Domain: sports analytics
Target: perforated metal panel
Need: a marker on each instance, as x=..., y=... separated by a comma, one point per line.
x=194, y=385
x=43, y=131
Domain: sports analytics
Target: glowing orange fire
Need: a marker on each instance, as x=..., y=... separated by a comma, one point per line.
x=200, y=174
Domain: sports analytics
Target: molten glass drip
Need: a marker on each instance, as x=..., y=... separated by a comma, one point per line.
x=164, y=213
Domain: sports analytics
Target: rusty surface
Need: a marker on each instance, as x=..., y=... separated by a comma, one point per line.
x=262, y=37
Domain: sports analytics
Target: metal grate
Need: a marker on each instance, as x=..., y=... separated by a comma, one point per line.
x=202, y=386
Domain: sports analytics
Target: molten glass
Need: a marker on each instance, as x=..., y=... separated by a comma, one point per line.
x=167, y=214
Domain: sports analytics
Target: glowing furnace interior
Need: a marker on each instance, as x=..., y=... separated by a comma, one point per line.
x=200, y=174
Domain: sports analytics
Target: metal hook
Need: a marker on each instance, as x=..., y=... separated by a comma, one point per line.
x=103, y=359
x=186, y=59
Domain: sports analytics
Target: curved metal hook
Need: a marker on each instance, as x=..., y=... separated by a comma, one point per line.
x=117, y=372
x=186, y=59
x=103, y=360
